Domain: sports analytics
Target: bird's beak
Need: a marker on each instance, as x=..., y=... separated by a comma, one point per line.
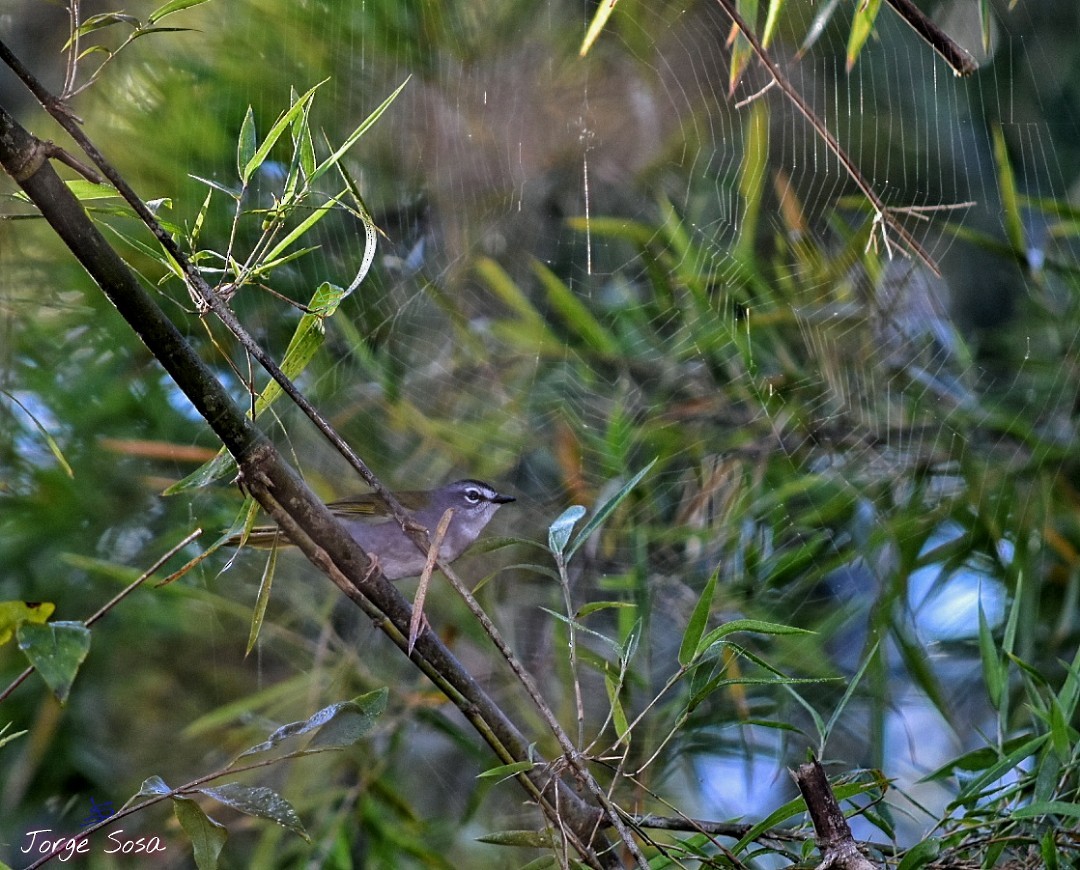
x=503, y=499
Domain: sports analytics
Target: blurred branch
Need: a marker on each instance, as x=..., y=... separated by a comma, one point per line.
x=962, y=63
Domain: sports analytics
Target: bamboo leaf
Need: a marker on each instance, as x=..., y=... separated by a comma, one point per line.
x=861, y=27
x=699, y=618
x=171, y=7
x=596, y=26
x=280, y=126
x=605, y=510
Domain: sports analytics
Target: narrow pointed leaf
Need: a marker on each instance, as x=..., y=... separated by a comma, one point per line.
x=280, y=126
x=992, y=666
x=606, y=509
x=505, y=771
x=246, y=144
x=699, y=618
x=262, y=600
x=350, y=140
x=596, y=26
x=574, y=313
x=861, y=27
x=171, y=7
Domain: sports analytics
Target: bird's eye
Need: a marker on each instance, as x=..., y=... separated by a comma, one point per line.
x=473, y=495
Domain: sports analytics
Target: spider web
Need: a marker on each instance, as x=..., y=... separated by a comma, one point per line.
x=506, y=150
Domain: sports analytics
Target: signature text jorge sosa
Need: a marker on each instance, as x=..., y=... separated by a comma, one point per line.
x=67, y=847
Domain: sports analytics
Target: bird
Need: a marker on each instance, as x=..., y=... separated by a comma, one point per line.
x=369, y=522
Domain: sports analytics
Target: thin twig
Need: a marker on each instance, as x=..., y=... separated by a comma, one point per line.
x=425, y=578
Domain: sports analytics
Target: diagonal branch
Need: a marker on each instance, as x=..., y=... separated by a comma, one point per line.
x=280, y=490
x=253, y=476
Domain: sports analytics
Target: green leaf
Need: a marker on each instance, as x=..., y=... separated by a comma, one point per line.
x=754, y=626
x=618, y=714
x=246, y=144
x=280, y=126
x=220, y=466
x=303, y=145
x=849, y=693
x=104, y=19
x=772, y=19
x=922, y=672
x=533, y=334
x=1060, y=736
x=595, y=606
x=171, y=7
x=525, y=838
x=1070, y=689
x=973, y=788
x=266, y=583
x=976, y=760
x=603, y=12
x=305, y=342
x=606, y=509
x=216, y=185
x=920, y=855
x=559, y=531
x=842, y=791
x=742, y=51
x=371, y=232
x=1046, y=808
x=88, y=191
x=1049, y=852
x=863, y=25
x=350, y=140
x=699, y=618
x=54, y=448
x=1010, y=197
x=258, y=801
x=207, y=835
x=56, y=650
x=992, y=666
x=753, y=176
x=7, y=738
x=15, y=613
x=574, y=313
